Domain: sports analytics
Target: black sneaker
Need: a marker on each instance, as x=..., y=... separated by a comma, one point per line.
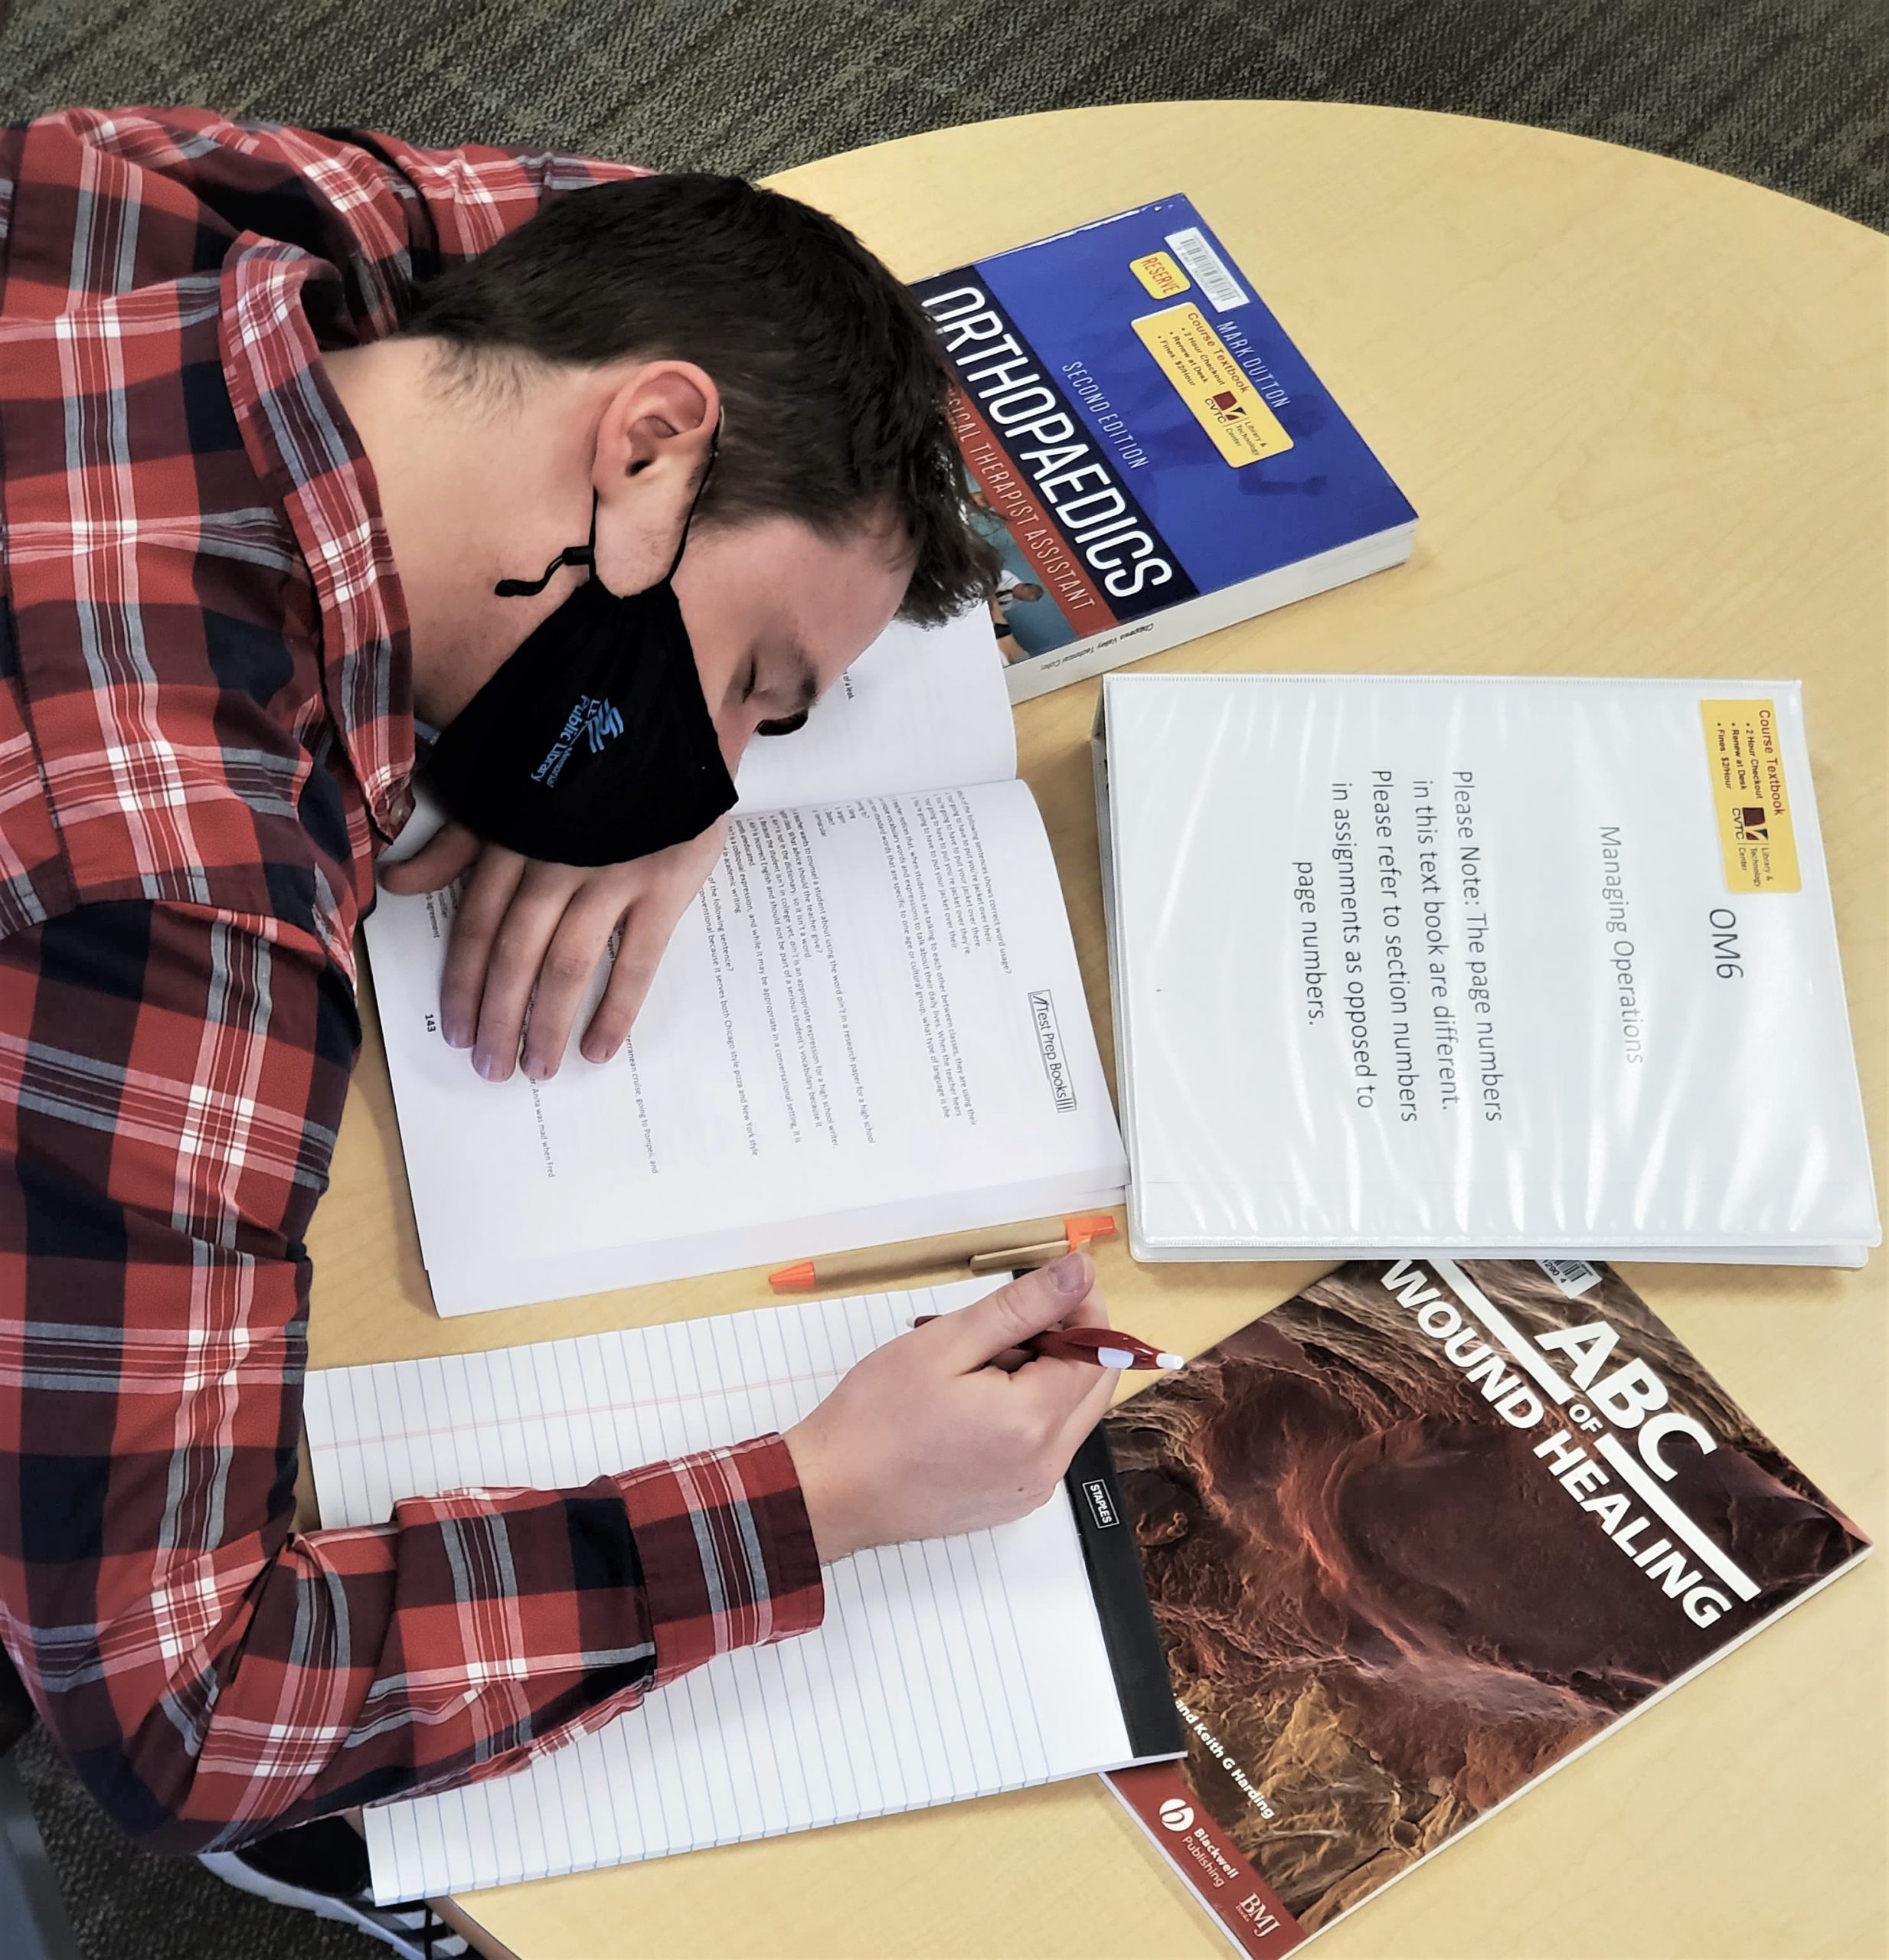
x=323, y=1868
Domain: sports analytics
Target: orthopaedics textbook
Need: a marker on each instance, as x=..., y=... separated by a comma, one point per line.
x=1152, y=454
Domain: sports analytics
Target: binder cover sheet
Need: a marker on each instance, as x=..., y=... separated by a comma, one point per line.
x=1484, y=964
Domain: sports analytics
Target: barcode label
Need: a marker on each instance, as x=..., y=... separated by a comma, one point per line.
x=1574, y=1276
x=1210, y=271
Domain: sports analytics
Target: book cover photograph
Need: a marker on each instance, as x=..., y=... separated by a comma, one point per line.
x=1152, y=454
x=1415, y=1538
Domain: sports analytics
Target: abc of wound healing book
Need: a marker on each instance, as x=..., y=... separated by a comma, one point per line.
x=1152, y=454
x=1415, y=1539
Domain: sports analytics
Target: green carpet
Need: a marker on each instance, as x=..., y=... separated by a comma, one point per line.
x=1791, y=93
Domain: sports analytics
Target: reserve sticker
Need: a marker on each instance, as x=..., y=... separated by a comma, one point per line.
x=1159, y=274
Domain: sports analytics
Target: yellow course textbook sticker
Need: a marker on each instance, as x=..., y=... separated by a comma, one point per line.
x=1213, y=384
x=1159, y=274
x=1750, y=796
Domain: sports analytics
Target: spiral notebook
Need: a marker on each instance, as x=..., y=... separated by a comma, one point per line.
x=953, y=1668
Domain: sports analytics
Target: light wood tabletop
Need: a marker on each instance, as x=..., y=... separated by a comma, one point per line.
x=1643, y=411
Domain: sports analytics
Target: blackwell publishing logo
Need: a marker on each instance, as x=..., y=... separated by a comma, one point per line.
x=1049, y=1041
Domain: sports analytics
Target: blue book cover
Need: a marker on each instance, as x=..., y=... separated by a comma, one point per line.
x=1151, y=453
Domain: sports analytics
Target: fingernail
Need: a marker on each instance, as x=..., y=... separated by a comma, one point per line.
x=458, y=1035
x=488, y=1066
x=536, y=1070
x=1071, y=1273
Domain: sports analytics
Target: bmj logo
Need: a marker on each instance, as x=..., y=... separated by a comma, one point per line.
x=600, y=724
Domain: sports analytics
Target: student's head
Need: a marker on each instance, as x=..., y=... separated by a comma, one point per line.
x=1027, y=591
x=836, y=500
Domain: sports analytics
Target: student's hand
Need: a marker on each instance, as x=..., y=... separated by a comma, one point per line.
x=527, y=936
x=925, y=1437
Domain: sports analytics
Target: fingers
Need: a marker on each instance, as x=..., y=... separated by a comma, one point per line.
x=442, y=858
x=1089, y=1409
x=578, y=945
x=482, y=906
x=527, y=939
x=646, y=938
x=1007, y=1317
x=1091, y=1311
x=512, y=953
x=1058, y=1401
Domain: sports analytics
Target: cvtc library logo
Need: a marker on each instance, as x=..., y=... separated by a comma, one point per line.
x=600, y=724
x=1176, y=1815
x=592, y=719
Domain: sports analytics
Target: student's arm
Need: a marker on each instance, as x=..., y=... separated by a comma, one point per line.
x=171, y=1081
x=386, y=214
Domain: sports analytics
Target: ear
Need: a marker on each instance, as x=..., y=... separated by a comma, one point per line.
x=652, y=444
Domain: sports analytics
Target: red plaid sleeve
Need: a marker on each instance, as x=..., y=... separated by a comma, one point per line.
x=385, y=214
x=170, y=1084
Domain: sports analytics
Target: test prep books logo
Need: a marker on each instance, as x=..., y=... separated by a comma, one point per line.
x=1049, y=1041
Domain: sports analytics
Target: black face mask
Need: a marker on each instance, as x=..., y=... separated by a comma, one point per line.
x=592, y=744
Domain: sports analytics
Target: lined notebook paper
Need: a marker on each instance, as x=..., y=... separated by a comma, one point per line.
x=953, y=1668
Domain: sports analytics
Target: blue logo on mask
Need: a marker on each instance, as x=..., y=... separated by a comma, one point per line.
x=590, y=717
x=600, y=724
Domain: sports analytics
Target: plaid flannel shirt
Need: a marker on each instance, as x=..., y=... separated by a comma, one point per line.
x=206, y=734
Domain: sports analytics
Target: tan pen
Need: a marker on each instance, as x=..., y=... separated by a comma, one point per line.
x=963, y=1253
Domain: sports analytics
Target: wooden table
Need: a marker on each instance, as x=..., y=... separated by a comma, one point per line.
x=1642, y=409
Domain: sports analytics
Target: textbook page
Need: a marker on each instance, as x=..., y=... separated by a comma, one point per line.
x=924, y=708
x=869, y=1026
x=952, y=1668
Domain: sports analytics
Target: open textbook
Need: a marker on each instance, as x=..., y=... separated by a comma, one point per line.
x=870, y=1027
x=952, y=1668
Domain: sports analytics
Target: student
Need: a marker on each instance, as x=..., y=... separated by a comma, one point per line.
x=307, y=439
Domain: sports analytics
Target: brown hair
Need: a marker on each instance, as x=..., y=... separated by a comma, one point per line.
x=833, y=383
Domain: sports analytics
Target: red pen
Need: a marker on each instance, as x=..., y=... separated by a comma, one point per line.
x=1106, y=1347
